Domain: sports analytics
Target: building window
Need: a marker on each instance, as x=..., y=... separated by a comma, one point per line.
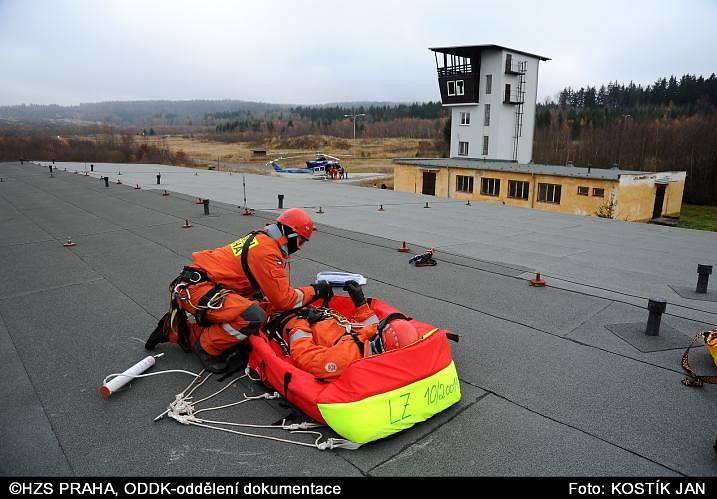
x=451, y=88
x=518, y=189
x=462, y=148
x=583, y=191
x=459, y=87
x=488, y=84
x=487, y=115
x=490, y=186
x=506, y=97
x=465, y=118
x=485, y=145
x=464, y=183
x=598, y=193
x=549, y=193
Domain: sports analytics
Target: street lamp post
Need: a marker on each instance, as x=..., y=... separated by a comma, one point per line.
x=622, y=131
x=353, y=117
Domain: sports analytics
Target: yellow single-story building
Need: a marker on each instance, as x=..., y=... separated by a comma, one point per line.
x=610, y=193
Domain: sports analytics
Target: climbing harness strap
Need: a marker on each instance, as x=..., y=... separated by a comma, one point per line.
x=213, y=299
x=258, y=293
x=695, y=380
x=192, y=275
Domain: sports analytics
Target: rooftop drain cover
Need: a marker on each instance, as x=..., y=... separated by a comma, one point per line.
x=689, y=293
x=634, y=333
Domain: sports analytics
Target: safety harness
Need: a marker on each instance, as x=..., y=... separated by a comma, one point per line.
x=211, y=300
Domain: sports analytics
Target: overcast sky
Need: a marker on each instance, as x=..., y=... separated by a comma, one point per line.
x=310, y=52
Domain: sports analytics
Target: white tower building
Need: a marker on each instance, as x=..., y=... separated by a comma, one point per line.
x=491, y=91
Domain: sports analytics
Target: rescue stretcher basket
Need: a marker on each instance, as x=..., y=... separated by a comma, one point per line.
x=374, y=397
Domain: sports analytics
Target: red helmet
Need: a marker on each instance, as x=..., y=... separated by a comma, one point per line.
x=399, y=333
x=298, y=221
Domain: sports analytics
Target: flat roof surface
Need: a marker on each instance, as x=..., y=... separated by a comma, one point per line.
x=511, y=166
x=468, y=50
x=548, y=388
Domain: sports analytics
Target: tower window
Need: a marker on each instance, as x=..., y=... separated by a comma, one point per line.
x=488, y=84
x=465, y=118
x=485, y=145
x=459, y=87
x=487, y=115
x=462, y=148
x=451, y=88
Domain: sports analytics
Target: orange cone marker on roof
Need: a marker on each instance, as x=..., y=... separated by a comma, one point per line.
x=537, y=281
x=404, y=248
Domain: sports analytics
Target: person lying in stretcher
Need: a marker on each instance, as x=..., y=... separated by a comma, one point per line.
x=323, y=343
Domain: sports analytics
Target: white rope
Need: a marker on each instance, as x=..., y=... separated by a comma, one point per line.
x=133, y=376
x=183, y=410
x=268, y=396
x=306, y=425
x=315, y=445
x=221, y=390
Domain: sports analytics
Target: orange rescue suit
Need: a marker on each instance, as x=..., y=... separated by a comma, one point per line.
x=238, y=316
x=324, y=349
x=268, y=265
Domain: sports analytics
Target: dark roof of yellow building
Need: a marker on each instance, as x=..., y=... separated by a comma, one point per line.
x=512, y=166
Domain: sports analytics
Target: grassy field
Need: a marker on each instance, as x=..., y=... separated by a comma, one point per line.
x=366, y=155
x=694, y=216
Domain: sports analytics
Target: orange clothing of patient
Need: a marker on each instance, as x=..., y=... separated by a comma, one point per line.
x=324, y=349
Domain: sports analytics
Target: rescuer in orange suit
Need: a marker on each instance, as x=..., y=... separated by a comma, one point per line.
x=324, y=344
x=227, y=292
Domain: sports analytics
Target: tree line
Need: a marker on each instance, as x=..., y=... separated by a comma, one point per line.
x=107, y=146
x=416, y=120
x=688, y=90
x=670, y=125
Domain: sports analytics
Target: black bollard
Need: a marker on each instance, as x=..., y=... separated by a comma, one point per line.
x=92, y=168
x=205, y=202
x=703, y=277
x=281, y=201
x=107, y=181
x=657, y=307
x=159, y=176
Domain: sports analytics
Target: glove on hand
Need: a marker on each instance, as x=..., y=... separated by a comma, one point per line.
x=355, y=292
x=323, y=290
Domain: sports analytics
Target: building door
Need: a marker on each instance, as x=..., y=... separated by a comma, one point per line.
x=659, y=199
x=429, y=183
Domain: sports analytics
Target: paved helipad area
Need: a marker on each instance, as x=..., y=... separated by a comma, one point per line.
x=548, y=389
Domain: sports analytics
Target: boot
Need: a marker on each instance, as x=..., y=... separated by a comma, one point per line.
x=216, y=365
x=160, y=333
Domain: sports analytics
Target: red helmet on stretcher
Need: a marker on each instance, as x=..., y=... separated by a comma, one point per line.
x=399, y=333
x=297, y=220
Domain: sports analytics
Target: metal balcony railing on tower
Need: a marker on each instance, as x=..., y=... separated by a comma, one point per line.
x=515, y=67
x=514, y=97
x=455, y=70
